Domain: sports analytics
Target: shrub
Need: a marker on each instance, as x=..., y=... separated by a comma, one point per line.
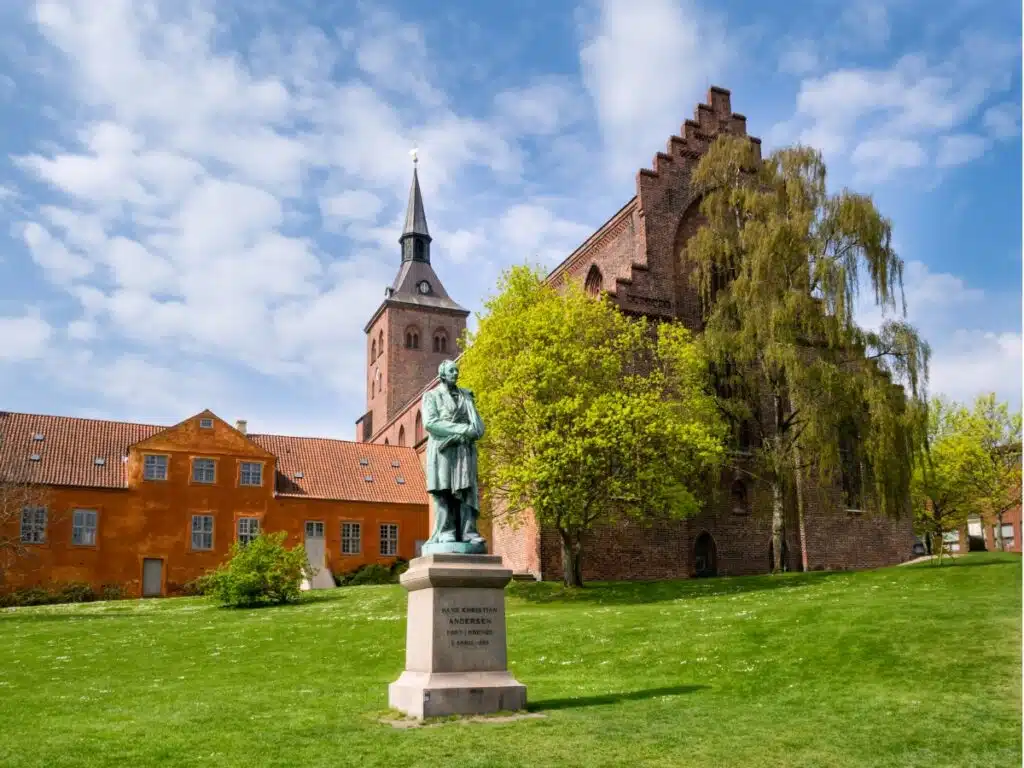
x=262, y=571
x=112, y=592
x=198, y=586
x=49, y=594
x=372, y=573
x=75, y=592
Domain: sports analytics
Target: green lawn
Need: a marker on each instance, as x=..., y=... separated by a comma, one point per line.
x=912, y=666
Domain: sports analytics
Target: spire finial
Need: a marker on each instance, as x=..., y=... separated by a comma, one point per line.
x=414, y=153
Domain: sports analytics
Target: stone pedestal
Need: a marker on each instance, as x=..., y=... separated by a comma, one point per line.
x=455, y=651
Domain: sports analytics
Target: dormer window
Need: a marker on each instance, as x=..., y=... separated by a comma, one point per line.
x=206, y=423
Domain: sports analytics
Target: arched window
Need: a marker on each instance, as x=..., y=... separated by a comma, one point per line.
x=386, y=441
x=594, y=282
x=441, y=341
x=380, y=341
x=401, y=436
x=373, y=349
x=373, y=388
x=419, y=428
x=705, y=556
x=740, y=502
x=412, y=338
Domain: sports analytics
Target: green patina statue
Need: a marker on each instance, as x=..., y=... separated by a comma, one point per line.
x=453, y=426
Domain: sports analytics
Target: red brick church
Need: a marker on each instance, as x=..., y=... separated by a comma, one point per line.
x=637, y=258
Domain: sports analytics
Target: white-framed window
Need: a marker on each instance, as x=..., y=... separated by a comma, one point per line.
x=952, y=540
x=204, y=470
x=251, y=473
x=351, y=538
x=248, y=529
x=33, y=525
x=388, y=539
x=83, y=527
x=314, y=529
x=1007, y=535
x=206, y=423
x=202, y=531
x=154, y=467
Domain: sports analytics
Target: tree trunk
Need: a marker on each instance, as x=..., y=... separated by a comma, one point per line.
x=778, y=527
x=572, y=561
x=800, y=508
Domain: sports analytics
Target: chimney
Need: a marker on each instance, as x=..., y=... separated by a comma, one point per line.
x=241, y=425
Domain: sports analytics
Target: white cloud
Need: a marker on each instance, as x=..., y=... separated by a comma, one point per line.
x=959, y=149
x=912, y=101
x=25, y=337
x=879, y=158
x=799, y=58
x=972, y=362
x=952, y=316
x=544, y=107
x=1002, y=121
x=352, y=204
x=866, y=22
x=641, y=61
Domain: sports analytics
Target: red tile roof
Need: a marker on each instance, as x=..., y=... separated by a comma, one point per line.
x=68, y=449
x=330, y=469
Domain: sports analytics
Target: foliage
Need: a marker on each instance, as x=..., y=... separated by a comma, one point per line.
x=845, y=670
x=260, y=571
x=944, y=489
x=49, y=594
x=591, y=416
x=112, y=592
x=998, y=483
x=372, y=573
x=778, y=264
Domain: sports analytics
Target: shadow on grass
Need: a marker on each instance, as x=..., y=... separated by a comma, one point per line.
x=634, y=592
x=1010, y=558
x=545, y=705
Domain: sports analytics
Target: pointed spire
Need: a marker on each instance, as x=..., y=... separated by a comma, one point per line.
x=415, y=237
x=415, y=218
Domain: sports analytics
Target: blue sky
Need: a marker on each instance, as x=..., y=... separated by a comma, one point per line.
x=200, y=201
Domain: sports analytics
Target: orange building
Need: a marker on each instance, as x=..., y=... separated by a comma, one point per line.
x=150, y=508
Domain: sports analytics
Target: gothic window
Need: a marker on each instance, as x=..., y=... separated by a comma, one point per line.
x=440, y=341
x=401, y=436
x=412, y=338
x=386, y=441
x=850, y=469
x=419, y=428
x=373, y=349
x=739, y=500
x=594, y=282
x=380, y=341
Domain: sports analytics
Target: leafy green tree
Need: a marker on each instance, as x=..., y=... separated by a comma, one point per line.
x=778, y=262
x=260, y=571
x=591, y=416
x=998, y=483
x=945, y=482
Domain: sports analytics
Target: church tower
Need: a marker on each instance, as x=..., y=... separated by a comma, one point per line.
x=413, y=330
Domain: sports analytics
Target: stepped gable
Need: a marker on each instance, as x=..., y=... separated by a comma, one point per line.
x=633, y=256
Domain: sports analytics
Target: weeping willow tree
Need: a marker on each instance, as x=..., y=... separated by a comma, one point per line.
x=778, y=264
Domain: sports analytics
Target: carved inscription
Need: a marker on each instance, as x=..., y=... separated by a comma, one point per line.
x=469, y=626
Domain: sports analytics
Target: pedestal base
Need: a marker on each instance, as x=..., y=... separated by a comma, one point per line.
x=439, y=694
x=454, y=548
x=455, y=651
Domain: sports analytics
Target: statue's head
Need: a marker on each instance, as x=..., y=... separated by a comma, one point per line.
x=448, y=372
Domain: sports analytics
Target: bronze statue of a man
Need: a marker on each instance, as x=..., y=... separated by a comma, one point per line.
x=453, y=426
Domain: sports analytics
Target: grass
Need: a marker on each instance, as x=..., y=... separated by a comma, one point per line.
x=910, y=666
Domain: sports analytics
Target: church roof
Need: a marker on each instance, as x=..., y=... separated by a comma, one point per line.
x=405, y=288
x=415, y=217
x=68, y=450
